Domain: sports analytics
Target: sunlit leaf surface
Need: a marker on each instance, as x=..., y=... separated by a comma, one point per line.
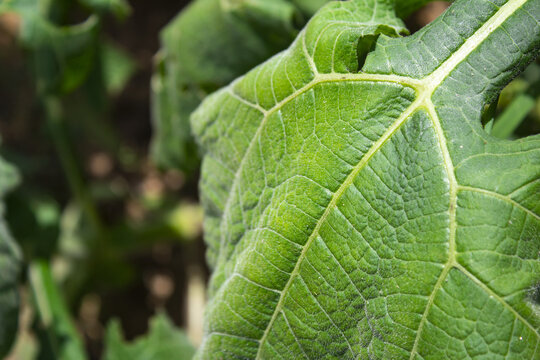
x=355, y=206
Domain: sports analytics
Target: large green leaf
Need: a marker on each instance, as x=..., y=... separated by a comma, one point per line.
x=208, y=45
x=10, y=263
x=365, y=213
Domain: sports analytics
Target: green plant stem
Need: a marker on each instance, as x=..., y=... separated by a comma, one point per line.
x=54, y=116
x=513, y=116
x=53, y=313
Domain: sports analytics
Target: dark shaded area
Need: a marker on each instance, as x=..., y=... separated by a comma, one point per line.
x=139, y=36
x=132, y=304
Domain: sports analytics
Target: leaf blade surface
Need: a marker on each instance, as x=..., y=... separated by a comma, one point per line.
x=342, y=207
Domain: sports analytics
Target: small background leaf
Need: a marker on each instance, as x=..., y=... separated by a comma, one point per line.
x=63, y=57
x=10, y=264
x=209, y=44
x=120, y=8
x=163, y=342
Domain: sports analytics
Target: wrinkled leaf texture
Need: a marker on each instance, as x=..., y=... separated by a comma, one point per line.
x=365, y=213
x=208, y=45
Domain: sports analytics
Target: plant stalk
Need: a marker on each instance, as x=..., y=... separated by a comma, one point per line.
x=52, y=311
x=54, y=117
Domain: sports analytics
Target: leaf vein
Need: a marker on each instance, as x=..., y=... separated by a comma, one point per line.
x=490, y=292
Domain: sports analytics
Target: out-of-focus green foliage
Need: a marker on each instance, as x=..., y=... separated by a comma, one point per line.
x=59, y=337
x=64, y=55
x=518, y=102
x=209, y=44
x=164, y=341
x=64, y=58
x=120, y=8
x=10, y=263
x=30, y=213
x=116, y=66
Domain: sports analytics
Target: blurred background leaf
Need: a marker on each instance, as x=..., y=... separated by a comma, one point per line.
x=163, y=341
x=206, y=46
x=62, y=56
x=519, y=102
x=120, y=8
x=10, y=263
x=59, y=337
x=105, y=217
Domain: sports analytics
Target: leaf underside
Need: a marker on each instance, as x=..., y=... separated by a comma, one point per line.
x=365, y=213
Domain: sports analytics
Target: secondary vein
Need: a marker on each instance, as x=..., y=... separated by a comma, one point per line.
x=333, y=202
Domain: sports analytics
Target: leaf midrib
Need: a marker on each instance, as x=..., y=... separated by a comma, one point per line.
x=424, y=89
